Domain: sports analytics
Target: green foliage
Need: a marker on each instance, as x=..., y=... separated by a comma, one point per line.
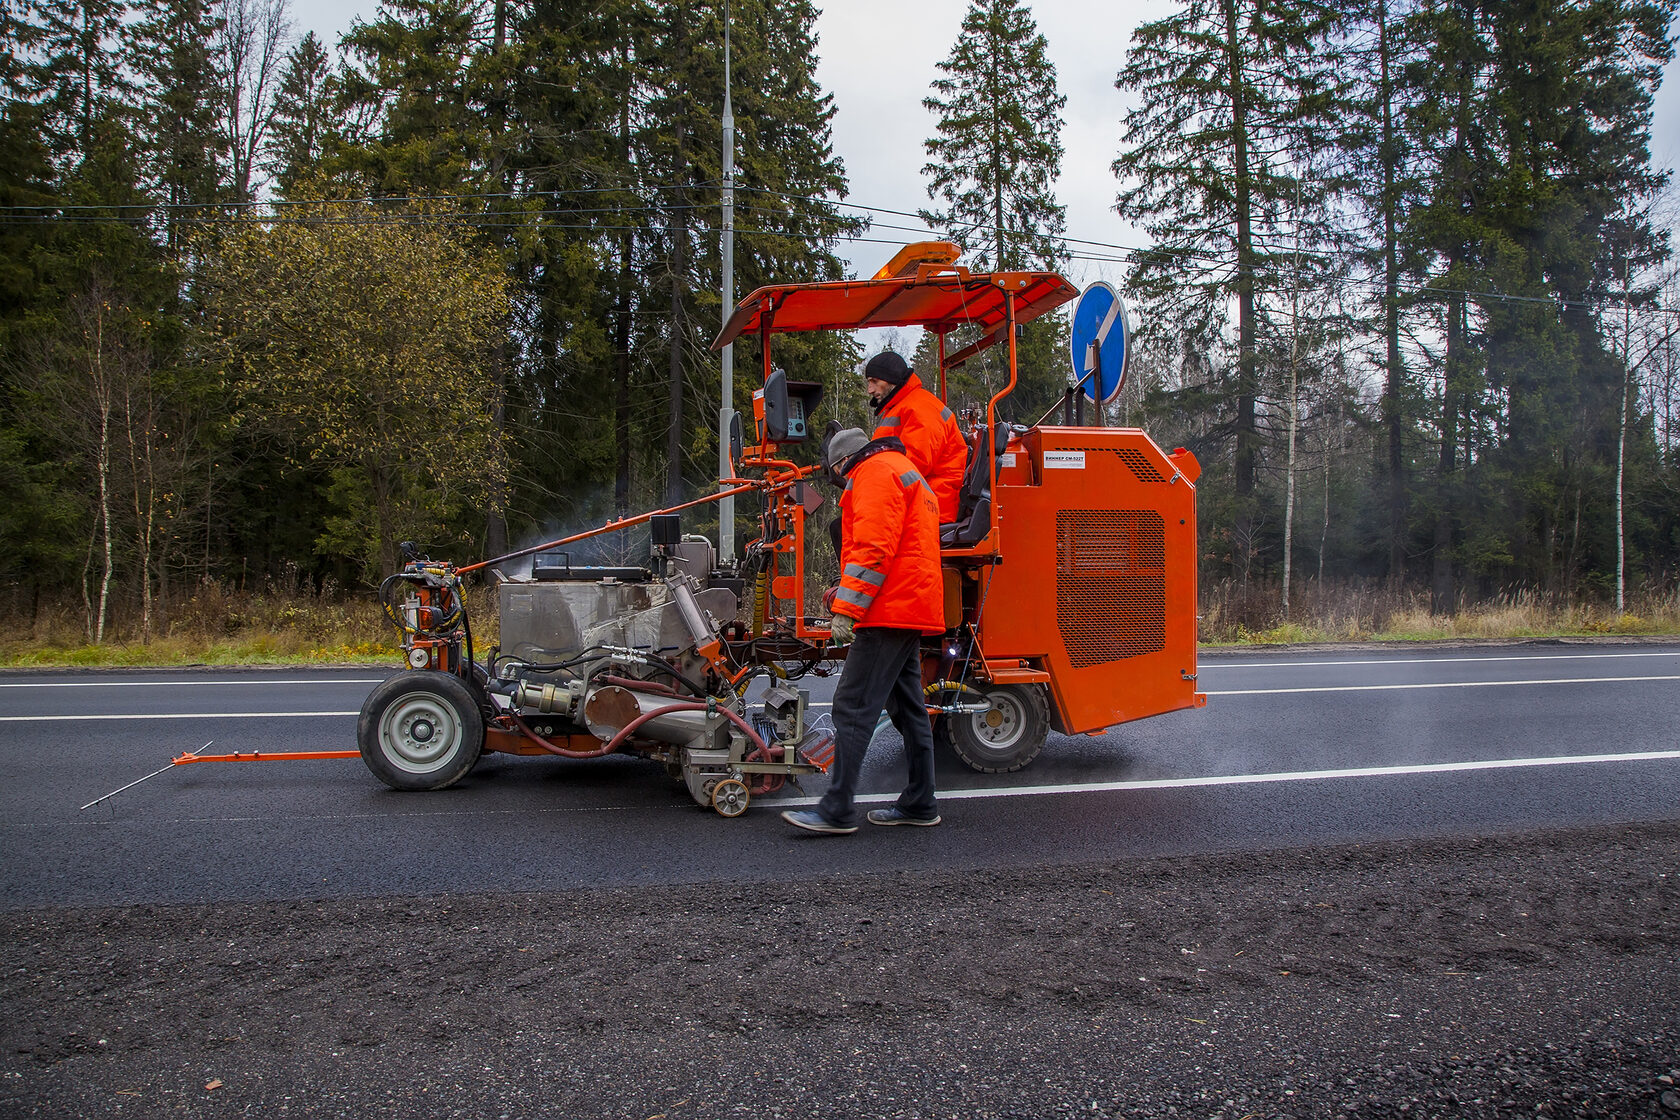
x=1416, y=234
x=365, y=338
x=1497, y=153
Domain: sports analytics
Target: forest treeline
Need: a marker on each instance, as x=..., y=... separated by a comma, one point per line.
x=270, y=305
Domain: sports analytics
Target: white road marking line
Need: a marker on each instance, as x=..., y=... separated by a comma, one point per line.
x=1439, y=684
x=172, y=715
x=171, y=684
x=1211, y=661
x=967, y=794
x=820, y=704
x=1286, y=776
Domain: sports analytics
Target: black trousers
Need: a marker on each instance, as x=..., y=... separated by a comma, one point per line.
x=883, y=669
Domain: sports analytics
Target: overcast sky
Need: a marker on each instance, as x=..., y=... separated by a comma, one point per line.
x=879, y=56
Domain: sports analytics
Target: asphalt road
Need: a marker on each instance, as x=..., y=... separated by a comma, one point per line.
x=1295, y=748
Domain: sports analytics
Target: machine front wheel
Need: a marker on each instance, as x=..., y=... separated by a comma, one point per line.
x=730, y=797
x=1006, y=736
x=420, y=730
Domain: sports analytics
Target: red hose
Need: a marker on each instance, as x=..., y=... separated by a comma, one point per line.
x=563, y=752
x=760, y=747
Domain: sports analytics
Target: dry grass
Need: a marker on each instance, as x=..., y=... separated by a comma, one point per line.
x=291, y=623
x=1369, y=612
x=279, y=623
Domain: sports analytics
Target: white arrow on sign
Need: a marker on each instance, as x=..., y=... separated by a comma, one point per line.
x=1101, y=337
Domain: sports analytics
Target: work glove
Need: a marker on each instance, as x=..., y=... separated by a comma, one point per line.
x=840, y=630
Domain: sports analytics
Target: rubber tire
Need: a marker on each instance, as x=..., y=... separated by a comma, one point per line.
x=409, y=698
x=486, y=711
x=1030, y=711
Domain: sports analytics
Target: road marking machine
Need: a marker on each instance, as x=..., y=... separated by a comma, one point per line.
x=1069, y=575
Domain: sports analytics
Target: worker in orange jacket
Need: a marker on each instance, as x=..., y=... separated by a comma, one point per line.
x=891, y=593
x=933, y=441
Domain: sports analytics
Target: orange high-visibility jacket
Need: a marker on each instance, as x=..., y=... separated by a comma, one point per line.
x=931, y=438
x=889, y=543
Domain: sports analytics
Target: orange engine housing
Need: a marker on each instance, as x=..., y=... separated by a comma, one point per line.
x=1093, y=589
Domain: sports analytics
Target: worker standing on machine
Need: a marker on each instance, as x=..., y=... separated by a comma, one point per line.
x=932, y=439
x=891, y=592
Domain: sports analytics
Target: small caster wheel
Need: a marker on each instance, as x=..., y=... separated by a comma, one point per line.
x=730, y=797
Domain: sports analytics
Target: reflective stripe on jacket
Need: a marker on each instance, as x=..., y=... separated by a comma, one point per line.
x=931, y=438
x=889, y=544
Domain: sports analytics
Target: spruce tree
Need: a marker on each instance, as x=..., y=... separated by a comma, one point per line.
x=992, y=167
x=786, y=218
x=1381, y=45
x=39, y=530
x=306, y=120
x=169, y=46
x=81, y=75
x=1231, y=91
x=412, y=72
x=1445, y=234
x=566, y=99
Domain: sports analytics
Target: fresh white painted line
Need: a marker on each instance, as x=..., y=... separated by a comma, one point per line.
x=1211, y=661
x=173, y=715
x=171, y=683
x=1286, y=776
x=1440, y=684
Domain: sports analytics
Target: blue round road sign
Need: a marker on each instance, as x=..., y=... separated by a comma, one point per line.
x=1100, y=342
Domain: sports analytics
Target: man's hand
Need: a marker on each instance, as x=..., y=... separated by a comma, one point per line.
x=840, y=630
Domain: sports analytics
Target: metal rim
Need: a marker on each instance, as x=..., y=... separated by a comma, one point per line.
x=418, y=733
x=730, y=797
x=999, y=728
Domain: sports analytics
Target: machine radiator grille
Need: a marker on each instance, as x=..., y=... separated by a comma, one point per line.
x=1111, y=599
x=1140, y=464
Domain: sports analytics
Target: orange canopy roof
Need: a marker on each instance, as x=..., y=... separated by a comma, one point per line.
x=934, y=296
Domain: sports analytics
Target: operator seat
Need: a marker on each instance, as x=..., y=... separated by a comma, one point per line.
x=974, y=500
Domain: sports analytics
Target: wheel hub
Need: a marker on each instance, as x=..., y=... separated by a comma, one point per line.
x=419, y=732
x=1001, y=725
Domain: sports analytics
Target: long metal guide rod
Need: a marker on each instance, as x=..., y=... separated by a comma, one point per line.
x=194, y=755
x=609, y=527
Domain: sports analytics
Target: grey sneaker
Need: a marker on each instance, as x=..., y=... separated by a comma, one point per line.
x=895, y=815
x=812, y=821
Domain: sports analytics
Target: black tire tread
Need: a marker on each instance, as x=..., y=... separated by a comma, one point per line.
x=448, y=687
x=955, y=734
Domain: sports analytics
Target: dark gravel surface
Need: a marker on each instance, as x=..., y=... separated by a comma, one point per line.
x=1526, y=975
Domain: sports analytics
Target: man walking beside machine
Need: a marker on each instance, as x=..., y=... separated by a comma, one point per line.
x=891, y=593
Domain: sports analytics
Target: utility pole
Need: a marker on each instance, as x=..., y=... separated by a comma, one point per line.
x=679, y=234
x=726, y=506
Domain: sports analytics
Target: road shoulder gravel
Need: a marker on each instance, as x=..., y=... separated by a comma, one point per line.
x=1530, y=974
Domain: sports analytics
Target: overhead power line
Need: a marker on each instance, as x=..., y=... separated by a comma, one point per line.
x=1081, y=249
